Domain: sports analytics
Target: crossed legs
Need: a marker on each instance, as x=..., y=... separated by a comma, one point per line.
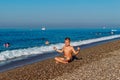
x=62, y=60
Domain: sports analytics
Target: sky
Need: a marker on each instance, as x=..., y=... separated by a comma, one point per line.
x=58, y=13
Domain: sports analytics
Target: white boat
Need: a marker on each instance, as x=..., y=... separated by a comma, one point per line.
x=113, y=30
x=43, y=28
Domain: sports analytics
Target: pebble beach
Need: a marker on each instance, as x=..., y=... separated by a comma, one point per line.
x=100, y=62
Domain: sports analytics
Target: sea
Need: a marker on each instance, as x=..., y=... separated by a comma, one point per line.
x=27, y=43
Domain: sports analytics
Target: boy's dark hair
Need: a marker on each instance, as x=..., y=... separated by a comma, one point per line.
x=67, y=38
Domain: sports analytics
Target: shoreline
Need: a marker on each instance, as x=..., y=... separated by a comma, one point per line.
x=41, y=57
x=47, y=69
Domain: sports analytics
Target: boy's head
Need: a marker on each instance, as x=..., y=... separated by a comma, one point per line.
x=67, y=41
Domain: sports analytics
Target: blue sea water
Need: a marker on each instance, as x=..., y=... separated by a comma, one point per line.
x=32, y=42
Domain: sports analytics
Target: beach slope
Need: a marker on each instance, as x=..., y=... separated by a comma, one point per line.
x=95, y=63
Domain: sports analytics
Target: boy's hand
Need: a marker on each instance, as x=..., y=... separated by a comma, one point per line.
x=55, y=48
x=78, y=48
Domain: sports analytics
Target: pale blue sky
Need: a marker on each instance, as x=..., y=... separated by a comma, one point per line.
x=34, y=13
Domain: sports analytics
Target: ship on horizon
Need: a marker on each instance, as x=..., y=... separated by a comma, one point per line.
x=43, y=28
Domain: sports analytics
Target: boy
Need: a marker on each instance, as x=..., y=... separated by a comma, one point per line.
x=67, y=50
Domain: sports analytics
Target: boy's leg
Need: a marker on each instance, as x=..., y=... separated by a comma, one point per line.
x=59, y=59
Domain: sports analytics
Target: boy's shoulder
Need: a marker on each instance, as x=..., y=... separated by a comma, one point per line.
x=71, y=46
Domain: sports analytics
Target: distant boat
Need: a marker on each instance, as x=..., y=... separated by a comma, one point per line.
x=104, y=27
x=113, y=30
x=43, y=28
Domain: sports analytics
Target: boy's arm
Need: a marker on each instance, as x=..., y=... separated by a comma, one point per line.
x=76, y=52
x=60, y=51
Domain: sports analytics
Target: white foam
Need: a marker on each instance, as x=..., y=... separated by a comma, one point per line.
x=10, y=54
